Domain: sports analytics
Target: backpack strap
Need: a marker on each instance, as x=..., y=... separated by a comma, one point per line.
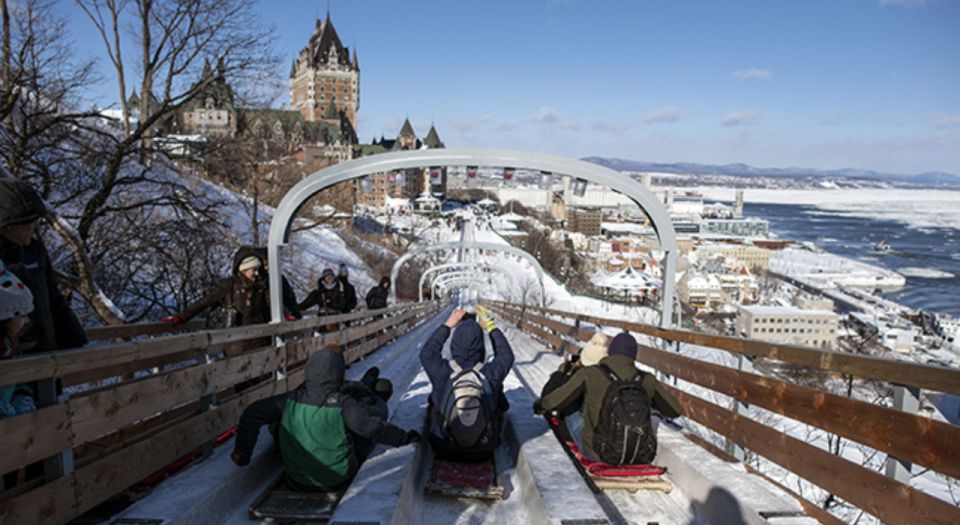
x=454, y=366
x=610, y=373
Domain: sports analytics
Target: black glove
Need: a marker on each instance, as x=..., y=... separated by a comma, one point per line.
x=412, y=437
x=538, y=408
x=240, y=460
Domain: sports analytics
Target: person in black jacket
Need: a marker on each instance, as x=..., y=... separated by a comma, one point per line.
x=347, y=289
x=310, y=438
x=377, y=296
x=52, y=325
x=327, y=297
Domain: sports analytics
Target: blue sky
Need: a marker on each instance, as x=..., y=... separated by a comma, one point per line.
x=871, y=84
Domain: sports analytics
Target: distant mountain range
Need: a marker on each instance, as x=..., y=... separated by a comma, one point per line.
x=932, y=178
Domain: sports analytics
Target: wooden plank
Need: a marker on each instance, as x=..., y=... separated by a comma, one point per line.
x=122, y=331
x=66, y=362
x=885, y=498
x=910, y=437
x=99, y=481
x=935, y=378
x=34, y=436
x=109, y=410
x=126, y=369
x=52, y=503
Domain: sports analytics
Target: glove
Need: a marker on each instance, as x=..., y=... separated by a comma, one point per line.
x=172, y=320
x=538, y=408
x=484, y=320
x=412, y=437
x=239, y=459
x=290, y=318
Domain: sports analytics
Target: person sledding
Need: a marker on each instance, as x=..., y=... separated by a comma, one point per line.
x=613, y=424
x=325, y=428
x=467, y=405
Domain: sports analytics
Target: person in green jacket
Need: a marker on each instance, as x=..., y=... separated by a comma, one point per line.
x=327, y=426
x=586, y=388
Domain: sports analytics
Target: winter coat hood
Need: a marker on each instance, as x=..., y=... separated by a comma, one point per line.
x=323, y=376
x=242, y=253
x=385, y=282
x=466, y=347
x=19, y=203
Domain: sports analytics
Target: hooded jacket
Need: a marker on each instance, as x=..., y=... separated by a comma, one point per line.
x=290, y=302
x=587, y=387
x=377, y=296
x=246, y=301
x=349, y=293
x=53, y=325
x=467, y=349
x=308, y=463
x=329, y=300
x=319, y=423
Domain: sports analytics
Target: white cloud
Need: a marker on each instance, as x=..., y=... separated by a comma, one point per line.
x=547, y=115
x=830, y=118
x=665, y=114
x=739, y=118
x=945, y=120
x=753, y=73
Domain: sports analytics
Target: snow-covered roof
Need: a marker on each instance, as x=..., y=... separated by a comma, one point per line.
x=487, y=202
x=627, y=280
x=513, y=217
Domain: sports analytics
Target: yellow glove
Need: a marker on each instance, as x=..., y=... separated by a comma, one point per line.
x=485, y=320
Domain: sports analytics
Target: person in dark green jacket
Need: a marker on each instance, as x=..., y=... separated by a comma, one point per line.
x=327, y=426
x=586, y=388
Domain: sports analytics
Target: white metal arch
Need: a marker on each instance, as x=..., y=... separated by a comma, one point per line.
x=462, y=279
x=445, y=278
x=353, y=169
x=461, y=246
x=449, y=266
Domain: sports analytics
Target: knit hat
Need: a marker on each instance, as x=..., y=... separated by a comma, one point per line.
x=623, y=344
x=15, y=297
x=249, y=263
x=595, y=350
x=342, y=268
x=326, y=272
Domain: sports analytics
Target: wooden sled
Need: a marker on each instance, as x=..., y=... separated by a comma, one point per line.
x=601, y=476
x=464, y=480
x=282, y=503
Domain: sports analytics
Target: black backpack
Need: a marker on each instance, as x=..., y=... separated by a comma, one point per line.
x=624, y=435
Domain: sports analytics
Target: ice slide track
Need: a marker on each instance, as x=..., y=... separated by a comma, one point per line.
x=542, y=485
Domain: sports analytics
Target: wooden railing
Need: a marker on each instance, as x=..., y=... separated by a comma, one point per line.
x=903, y=435
x=138, y=418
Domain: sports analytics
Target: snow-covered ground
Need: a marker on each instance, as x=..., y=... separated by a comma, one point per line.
x=826, y=270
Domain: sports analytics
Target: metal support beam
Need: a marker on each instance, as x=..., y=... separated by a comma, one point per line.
x=450, y=266
x=463, y=247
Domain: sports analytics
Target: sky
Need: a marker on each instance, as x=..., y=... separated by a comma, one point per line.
x=827, y=84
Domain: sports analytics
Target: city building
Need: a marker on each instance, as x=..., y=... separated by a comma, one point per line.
x=788, y=325
x=757, y=259
x=700, y=291
x=409, y=184
x=211, y=112
x=741, y=227
x=325, y=75
x=584, y=220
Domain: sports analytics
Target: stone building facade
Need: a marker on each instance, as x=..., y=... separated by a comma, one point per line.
x=325, y=75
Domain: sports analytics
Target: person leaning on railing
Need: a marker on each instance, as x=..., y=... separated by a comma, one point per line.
x=52, y=324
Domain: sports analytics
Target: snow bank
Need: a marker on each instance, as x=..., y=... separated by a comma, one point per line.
x=926, y=273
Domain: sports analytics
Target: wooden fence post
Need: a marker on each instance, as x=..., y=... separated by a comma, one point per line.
x=744, y=364
x=907, y=399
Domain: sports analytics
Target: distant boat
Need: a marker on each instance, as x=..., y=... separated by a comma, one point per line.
x=882, y=247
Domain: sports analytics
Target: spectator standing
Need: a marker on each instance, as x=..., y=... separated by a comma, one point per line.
x=52, y=324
